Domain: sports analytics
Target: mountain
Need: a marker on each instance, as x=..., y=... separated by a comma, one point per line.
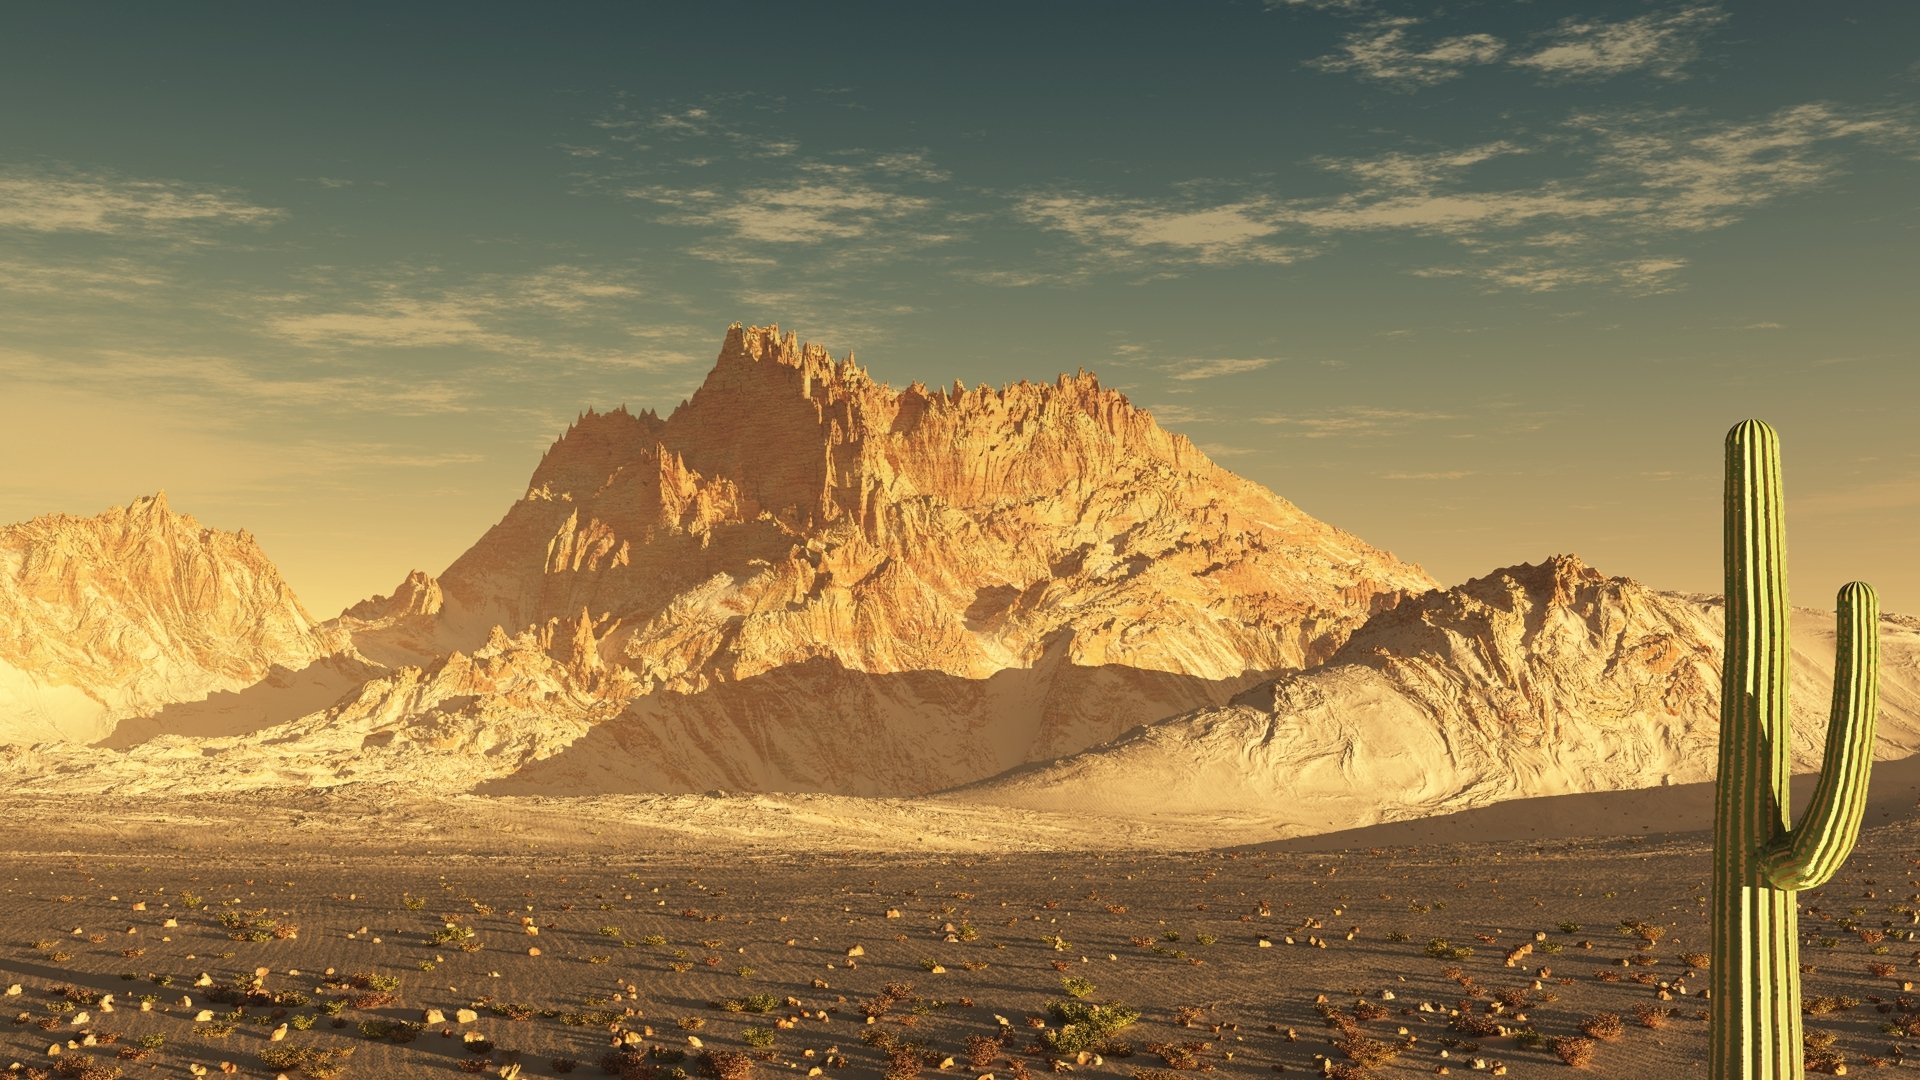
x=140, y=608
x=1533, y=680
x=802, y=579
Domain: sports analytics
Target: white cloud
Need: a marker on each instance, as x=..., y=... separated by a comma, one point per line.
x=1662, y=42
x=402, y=325
x=1384, y=51
x=1691, y=176
x=502, y=313
x=1124, y=230
x=1629, y=186
x=1211, y=369
x=801, y=213
x=53, y=202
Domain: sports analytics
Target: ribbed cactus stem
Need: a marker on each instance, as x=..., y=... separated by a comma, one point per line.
x=1759, y=857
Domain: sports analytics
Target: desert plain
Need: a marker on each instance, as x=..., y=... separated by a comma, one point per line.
x=765, y=935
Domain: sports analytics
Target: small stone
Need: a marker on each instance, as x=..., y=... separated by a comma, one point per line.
x=465, y=1016
x=857, y=951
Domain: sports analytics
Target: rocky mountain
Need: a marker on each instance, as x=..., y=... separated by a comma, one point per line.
x=802, y=579
x=140, y=608
x=1533, y=680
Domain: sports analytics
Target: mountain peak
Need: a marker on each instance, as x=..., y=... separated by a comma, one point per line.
x=136, y=607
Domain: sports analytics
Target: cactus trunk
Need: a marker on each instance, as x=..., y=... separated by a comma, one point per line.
x=1759, y=858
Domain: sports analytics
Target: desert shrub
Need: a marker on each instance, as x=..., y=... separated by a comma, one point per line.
x=1476, y=1025
x=1574, y=1050
x=1084, y=1026
x=726, y=1064
x=1603, y=1026
x=981, y=1051
x=1178, y=1055
x=1369, y=1053
x=311, y=1060
x=83, y=1068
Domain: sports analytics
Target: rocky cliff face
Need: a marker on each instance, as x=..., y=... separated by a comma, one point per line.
x=123, y=614
x=1532, y=680
x=800, y=561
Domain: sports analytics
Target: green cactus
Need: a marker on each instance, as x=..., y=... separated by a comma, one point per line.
x=1759, y=857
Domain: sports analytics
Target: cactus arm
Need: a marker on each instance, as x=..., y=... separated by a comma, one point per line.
x=1813, y=851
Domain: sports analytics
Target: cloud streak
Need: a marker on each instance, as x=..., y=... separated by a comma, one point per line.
x=1385, y=51
x=1213, y=369
x=1389, y=50
x=1662, y=43
x=37, y=201
x=1603, y=200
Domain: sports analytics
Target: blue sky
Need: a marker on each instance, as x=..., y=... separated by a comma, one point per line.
x=1480, y=282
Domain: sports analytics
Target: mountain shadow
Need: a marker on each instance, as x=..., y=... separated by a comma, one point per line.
x=818, y=726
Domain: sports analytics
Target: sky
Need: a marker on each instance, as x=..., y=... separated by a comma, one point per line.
x=1477, y=282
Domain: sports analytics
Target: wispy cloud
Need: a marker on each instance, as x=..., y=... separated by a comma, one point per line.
x=1352, y=421
x=1392, y=51
x=1319, y=5
x=1607, y=193
x=100, y=277
x=1450, y=474
x=1132, y=232
x=1213, y=369
x=1661, y=42
x=1386, y=51
x=1173, y=414
x=1689, y=175
x=42, y=201
x=215, y=386
x=556, y=312
x=824, y=203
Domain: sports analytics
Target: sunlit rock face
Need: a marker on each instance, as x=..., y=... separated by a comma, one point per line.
x=803, y=579
x=122, y=614
x=1533, y=680
x=811, y=580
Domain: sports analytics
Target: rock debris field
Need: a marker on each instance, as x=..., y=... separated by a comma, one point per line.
x=242, y=947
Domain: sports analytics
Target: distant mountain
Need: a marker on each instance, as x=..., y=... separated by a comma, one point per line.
x=1533, y=680
x=123, y=614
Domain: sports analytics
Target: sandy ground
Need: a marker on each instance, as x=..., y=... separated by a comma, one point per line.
x=747, y=919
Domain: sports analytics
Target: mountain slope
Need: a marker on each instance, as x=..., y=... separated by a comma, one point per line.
x=1530, y=681
x=123, y=614
x=813, y=581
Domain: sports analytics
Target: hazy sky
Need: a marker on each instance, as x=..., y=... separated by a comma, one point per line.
x=1479, y=282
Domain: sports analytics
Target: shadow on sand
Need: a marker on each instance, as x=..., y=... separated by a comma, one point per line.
x=285, y=694
x=910, y=733
x=1893, y=794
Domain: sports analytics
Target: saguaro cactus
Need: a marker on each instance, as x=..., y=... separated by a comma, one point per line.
x=1759, y=857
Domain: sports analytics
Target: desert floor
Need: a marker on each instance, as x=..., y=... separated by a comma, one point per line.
x=651, y=930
